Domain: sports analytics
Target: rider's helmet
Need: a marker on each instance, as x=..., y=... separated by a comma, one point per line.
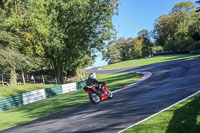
x=92, y=76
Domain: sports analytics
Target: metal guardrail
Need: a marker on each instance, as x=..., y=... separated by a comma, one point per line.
x=14, y=101
x=11, y=102
x=53, y=91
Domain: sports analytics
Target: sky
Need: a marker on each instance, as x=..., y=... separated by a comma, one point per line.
x=135, y=15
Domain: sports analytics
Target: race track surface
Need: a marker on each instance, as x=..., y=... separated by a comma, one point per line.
x=170, y=82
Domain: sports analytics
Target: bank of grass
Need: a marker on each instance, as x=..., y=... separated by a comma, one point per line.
x=17, y=89
x=182, y=118
x=151, y=60
x=42, y=108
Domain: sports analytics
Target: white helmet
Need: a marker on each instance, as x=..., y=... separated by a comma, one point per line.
x=92, y=76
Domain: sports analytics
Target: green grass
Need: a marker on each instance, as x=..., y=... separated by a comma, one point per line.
x=152, y=60
x=182, y=118
x=42, y=108
x=17, y=89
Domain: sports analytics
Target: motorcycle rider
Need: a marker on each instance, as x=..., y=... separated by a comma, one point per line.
x=92, y=81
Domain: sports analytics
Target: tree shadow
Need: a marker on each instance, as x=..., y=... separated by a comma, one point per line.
x=185, y=118
x=182, y=57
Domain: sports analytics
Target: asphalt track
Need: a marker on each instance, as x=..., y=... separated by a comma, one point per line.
x=170, y=82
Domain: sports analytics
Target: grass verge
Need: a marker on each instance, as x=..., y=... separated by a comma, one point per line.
x=17, y=89
x=42, y=108
x=152, y=60
x=182, y=118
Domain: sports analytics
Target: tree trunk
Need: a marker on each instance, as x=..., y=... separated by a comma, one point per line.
x=13, y=76
x=58, y=74
x=2, y=83
x=61, y=74
x=43, y=79
x=58, y=71
x=23, y=78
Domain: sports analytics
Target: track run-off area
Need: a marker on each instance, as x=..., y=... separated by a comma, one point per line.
x=170, y=82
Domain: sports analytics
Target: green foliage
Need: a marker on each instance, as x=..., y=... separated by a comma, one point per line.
x=11, y=58
x=30, y=23
x=137, y=52
x=86, y=25
x=144, y=35
x=64, y=33
x=183, y=7
x=178, y=29
x=195, y=45
x=122, y=50
x=194, y=27
x=198, y=8
x=183, y=45
x=112, y=55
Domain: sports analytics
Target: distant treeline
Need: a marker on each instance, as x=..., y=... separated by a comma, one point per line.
x=178, y=32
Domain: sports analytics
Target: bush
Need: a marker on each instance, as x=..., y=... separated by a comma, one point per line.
x=171, y=45
x=183, y=45
x=195, y=45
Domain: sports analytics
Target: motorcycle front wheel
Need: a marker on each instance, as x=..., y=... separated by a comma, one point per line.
x=110, y=95
x=94, y=98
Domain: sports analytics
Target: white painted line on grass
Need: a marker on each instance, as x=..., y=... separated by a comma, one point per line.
x=160, y=111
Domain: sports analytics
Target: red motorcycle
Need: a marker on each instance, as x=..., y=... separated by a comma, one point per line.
x=97, y=96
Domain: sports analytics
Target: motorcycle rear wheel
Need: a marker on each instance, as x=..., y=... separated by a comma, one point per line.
x=94, y=98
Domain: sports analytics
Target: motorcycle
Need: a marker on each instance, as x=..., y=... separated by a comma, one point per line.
x=97, y=96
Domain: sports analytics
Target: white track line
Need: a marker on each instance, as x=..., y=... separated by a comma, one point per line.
x=160, y=111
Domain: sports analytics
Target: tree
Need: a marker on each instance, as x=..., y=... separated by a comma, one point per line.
x=161, y=30
x=194, y=27
x=113, y=53
x=144, y=35
x=183, y=7
x=184, y=10
x=198, y=8
x=13, y=60
x=137, y=50
x=86, y=25
x=171, y=30
x=63, y=31
x=123, y=49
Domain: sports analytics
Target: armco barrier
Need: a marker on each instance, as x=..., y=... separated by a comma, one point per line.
x=33, y=96
x=11, y=102
x=66, y=88
x=37, y=95
x=53, y=91
x=81, y=84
